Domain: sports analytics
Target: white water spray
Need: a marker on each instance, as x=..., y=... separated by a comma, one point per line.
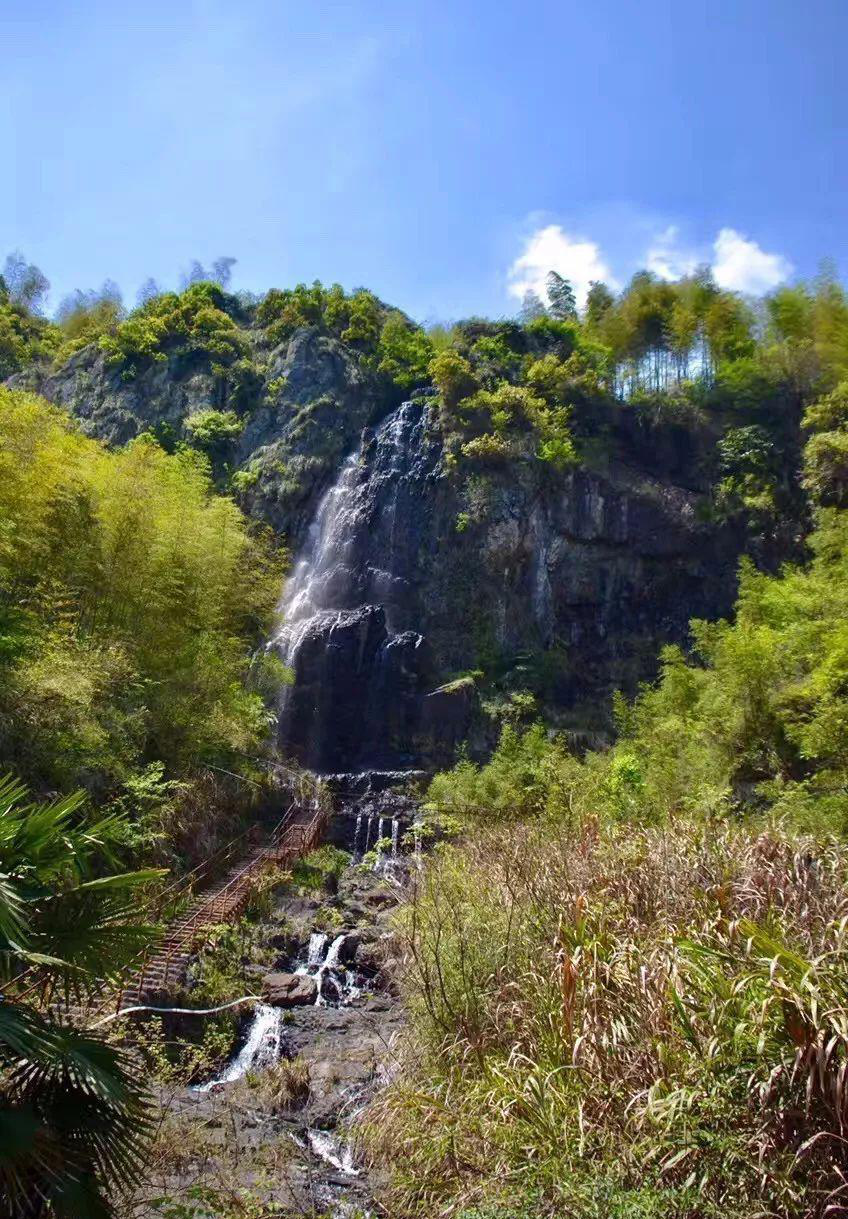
x=261, y=1048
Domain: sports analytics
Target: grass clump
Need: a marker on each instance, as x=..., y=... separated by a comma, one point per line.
x=642, y=1021
x=320, y=869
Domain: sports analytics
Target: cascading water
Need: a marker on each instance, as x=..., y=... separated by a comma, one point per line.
x=314, y=953
x=323, y=962
x=323, y=576
x=261, y=1047
x=348, y=606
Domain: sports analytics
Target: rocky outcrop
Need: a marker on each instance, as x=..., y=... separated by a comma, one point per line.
x=289, y=990
x=354, y=681
x=309, y=401
x=564, y=583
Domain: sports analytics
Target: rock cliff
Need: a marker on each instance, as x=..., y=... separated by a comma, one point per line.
x=564, y=585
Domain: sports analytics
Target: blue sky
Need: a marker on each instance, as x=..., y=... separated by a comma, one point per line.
x=442, y=154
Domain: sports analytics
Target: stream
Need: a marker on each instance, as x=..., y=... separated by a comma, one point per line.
x=342, y=1038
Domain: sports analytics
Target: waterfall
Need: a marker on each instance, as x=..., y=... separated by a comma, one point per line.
x=322, y=577
x=395, y=830
x=327, y=1147
x=344, y=617
x=331, y=961
x=379, y=844
x=261, y=1048
x=314, y=953
x=321, y=960
x=356, y=834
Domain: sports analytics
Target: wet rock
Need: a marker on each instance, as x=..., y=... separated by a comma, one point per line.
x=331, y=988
x=355, y=943
x=289, y=990
x=369, y=958
x=285, y=942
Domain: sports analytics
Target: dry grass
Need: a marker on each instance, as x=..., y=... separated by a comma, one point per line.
x=284, y=1086
x=636, y=1022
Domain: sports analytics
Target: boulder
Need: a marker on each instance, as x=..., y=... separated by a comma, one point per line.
x=289, y=990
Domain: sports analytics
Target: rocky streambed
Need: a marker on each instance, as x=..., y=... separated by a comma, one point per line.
x=276, y=1124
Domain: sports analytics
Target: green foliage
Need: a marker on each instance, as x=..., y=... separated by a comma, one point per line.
x=73, y=1120
x=521, y=778
x=384, y=339
x=497, y=421
x=213, y=430
x=826, y=452
x=453, y=377
x=626, y=1021
x=561, y=298
x=284, y=311
x=363, y=322
x=129, y=594
x=320, y=869
x=404, y=351
x=494, y=359
x=193, y=322
x=629, y=999
x=24, y=337
x=243, y=480
x=749, y=465
x=86, y=317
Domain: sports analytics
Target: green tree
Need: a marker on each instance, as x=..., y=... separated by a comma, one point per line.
x=562, y=303
x=531, y=307
x=130, y=598
x=599, y=300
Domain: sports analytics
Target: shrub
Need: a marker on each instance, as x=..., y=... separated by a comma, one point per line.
x=193, y=321
x=404, y=352
x=213, y=430
x=453, y=378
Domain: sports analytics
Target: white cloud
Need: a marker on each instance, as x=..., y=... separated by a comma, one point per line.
x=667, y=258
x=552, y=249
x=738, y=263
x=743, y=266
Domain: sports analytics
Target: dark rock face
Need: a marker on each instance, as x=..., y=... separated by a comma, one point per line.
x=411, y=575
x=594, y=569
x=350, y=606
x=354, y=682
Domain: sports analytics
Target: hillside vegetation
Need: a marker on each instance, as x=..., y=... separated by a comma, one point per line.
x=130, y=596
x=627, y=974
x=625, y=968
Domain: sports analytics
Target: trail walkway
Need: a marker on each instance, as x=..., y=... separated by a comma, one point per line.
x=221, y=902
x=215, y=892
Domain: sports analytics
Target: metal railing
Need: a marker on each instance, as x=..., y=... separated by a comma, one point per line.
x=165, y=961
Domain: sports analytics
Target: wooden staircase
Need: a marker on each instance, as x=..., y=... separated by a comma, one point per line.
x=164, y=967
x=216, y=892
